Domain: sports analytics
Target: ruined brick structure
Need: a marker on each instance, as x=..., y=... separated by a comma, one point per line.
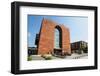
x=46, y=38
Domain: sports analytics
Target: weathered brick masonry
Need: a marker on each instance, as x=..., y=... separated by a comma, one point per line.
x=46, y=38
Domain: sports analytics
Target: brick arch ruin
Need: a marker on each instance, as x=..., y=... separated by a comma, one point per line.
x=46, y=37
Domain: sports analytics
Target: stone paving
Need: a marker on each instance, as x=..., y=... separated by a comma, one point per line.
x=37, y=57
x=78, y=56
x=73, y=56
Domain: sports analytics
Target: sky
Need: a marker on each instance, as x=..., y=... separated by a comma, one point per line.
x=78, y=27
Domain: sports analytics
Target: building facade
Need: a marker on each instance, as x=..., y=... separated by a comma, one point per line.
x=53, y=38
x=79, y=47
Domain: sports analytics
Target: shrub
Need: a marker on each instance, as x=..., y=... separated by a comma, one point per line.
x=29, y=58
x=47, y=57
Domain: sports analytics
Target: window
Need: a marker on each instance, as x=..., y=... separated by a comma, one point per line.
x=57, y=39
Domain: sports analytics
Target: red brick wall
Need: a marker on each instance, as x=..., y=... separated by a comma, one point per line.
x=46, y=40
x=66, y=39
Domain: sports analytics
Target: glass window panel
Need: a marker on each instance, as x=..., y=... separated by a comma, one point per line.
x=57, y=39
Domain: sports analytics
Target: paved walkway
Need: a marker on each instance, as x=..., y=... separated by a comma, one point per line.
x=73, y=56
x=37, y=57
x=78, y=56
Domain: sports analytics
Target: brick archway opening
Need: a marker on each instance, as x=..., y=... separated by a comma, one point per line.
x=57, y=40
x=46, y=38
